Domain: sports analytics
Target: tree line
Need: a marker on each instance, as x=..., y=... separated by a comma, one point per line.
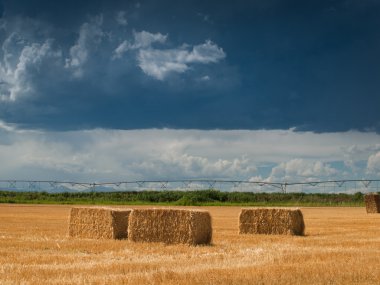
x=185, y=198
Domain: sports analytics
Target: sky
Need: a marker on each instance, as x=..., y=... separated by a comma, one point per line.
x=253, y=90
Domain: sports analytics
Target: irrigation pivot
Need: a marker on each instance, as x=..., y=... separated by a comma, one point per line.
x=327, y=186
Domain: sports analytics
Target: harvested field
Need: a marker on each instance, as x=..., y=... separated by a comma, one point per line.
x=278, y=221
x=170, y=226
x=98, y=223
x=340, y=246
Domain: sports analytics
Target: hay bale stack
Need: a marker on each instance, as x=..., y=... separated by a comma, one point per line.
x=280, y=221
x=170, y=226
x=372, y=203
x=99, y=223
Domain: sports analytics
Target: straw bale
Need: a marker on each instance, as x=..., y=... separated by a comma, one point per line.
x=99, y=223
x=170, y=226
x=281, y=221
x=372, y=203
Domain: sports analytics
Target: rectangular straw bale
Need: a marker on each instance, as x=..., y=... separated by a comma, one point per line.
x=372, y=203
x=99, y=223
x=281, y=221
x=170, y=226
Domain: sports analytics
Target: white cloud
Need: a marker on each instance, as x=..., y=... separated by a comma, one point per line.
x=160, y=63
x=357, y=153
x=257, y=178
x=373, y=164
x=103, y=155
x=145, y=39
x=180, y=165
x=121, y=18
x=205, y=53
x=142, y=39
x=205, y=78
x=34, y=64
x=301, y=170
x=7, y=127
x=90, y=35
x=121, y=49
x=18, y=72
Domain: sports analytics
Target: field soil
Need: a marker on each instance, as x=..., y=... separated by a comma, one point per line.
x=341, y=246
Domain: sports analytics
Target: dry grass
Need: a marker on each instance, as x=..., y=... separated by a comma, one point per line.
x=98, y=223
x=340, y=246
x=170, y=226
x=280, y=221
x=372, y=203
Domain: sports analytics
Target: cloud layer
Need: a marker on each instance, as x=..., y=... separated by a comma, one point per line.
x=110, y=155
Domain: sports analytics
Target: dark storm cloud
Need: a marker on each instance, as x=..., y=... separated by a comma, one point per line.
x=191, y=64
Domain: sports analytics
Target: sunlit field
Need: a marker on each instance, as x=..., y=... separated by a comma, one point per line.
x=341, y=246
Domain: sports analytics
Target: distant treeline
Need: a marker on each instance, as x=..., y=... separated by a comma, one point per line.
x=185, y=198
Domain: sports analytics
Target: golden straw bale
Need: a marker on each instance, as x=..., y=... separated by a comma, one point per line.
x=170, y=226
x=372, y=203
x=99, y=223
x=281, y=221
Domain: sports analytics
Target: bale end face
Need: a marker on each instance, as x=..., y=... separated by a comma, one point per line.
x=170, y=226
x=372, y=203
x=201, y=227
x=99, y=223
x=271, y=221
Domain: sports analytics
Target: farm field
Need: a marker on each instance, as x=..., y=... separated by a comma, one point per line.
x=341, y=246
